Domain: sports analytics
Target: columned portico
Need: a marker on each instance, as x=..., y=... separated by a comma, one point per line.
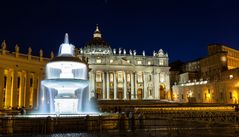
x=124, y=74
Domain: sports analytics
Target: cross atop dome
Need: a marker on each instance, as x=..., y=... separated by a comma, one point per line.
x=97, y=33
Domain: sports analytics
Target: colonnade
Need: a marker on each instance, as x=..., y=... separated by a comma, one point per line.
x=125, y=85
x=18, y=88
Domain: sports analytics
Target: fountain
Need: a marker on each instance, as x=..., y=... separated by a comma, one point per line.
x=65, y=90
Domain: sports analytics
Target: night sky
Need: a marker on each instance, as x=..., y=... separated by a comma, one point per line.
x=183, y=28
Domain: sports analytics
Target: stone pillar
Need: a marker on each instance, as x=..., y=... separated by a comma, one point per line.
x=145, y=86
x=103, y=86
x=167, y=82
x=1, y=87
x=35, y=91
x=27, y=95
x=8, y=92
x=136, y=85
x=15, y=89
x=156, y=86
x=115, y=86
x=132, y=85
x=92, y=84
x=22, y=89
x=125, y=86
x=108, y=85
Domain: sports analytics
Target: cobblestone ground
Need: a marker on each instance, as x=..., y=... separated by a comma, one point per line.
x=188, y=129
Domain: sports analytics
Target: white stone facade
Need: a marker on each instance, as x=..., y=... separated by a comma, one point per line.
x=118, y=74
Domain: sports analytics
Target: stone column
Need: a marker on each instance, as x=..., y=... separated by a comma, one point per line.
x=35, y=94
x=145, y=86
x=8, y=90
x=27, y=95
x=92, y=84
x=132, y=85
x=107, y=85
x=167, y=82
x=115, y=86
x=1, y=87
x=22, y=89
x=156, y=86
x=125, y=87
x=136, y=85
x=14, y=95
x=103, y=86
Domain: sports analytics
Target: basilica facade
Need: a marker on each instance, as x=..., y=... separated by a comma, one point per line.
x=118, y=74
x=113, y=74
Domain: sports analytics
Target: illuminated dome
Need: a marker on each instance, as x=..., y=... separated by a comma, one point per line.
x=97, y=45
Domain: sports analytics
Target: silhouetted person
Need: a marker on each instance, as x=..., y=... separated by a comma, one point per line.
x=131, y=121
x=141, y=122
x=122, y=121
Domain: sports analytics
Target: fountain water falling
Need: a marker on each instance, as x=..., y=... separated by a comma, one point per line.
x=65, y=90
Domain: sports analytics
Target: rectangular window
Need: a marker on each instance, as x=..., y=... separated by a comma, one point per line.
x=98, y=77
x=161, y=62
x=111, y=77
x=140, y=77
x=182, y=96
x=98, y=61
x=139, y=62
x=120, y=76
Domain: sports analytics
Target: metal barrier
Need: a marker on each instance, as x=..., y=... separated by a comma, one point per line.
x=225, y=115
x=158, y=124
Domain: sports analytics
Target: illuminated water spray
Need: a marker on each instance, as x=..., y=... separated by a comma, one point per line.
x=65, y=89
